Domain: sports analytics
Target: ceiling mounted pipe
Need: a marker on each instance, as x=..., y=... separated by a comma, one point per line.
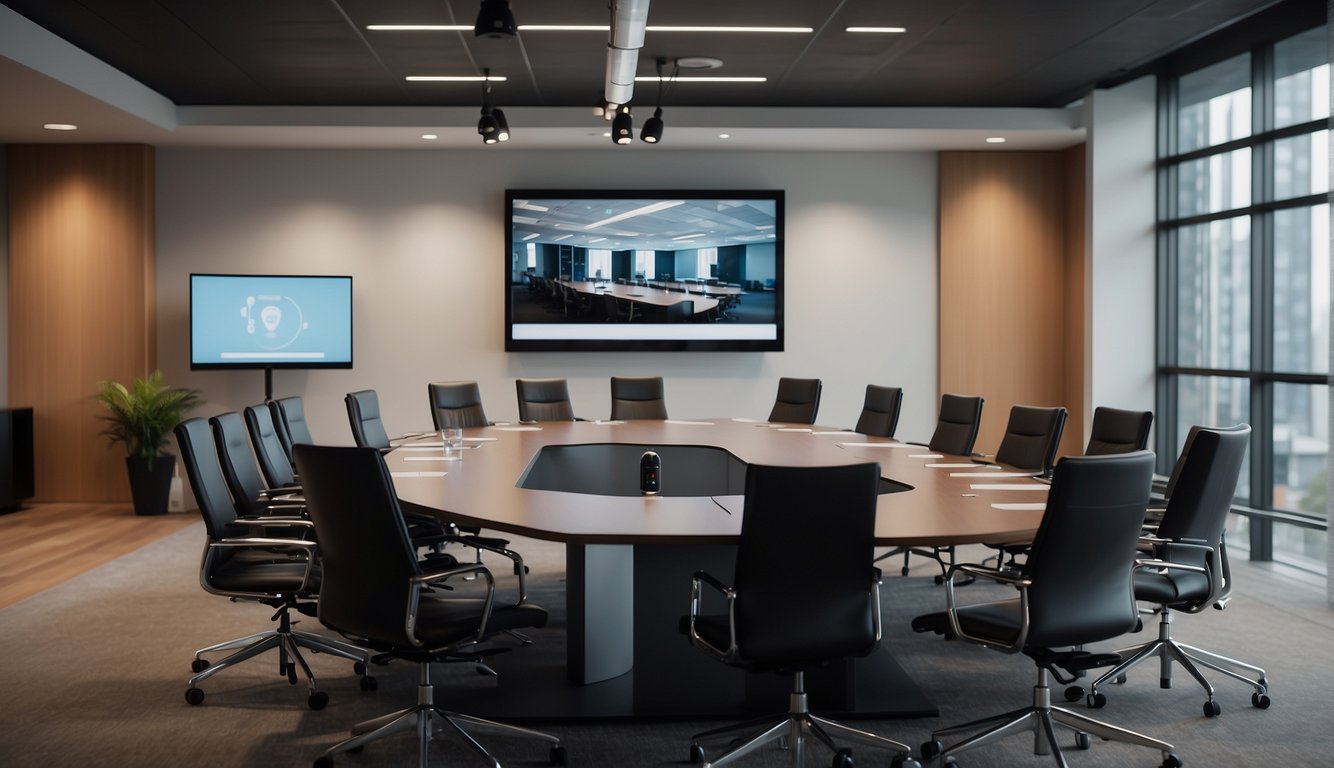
x=629, y=20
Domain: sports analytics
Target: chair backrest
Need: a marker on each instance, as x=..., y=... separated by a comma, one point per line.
x=366, y=555
x=957, y=425
x=1083, y=553
x=817, y=607
x=363, y=414
x=200, y=457
x=1181, y=461
x=1032, y=437
x=1202, y=498
x=544, y=400
x=238, y=463
x=880, y=411
x=456, y=404
x=1116, y=430
x=797, y=402
x=289, y=415
x=273, y=461
x=638, y=397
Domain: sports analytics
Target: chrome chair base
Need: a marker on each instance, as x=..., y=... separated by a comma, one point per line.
x=1191, y=659
x=795, y=730
x=421, y=717
x=289, y=643
x=1041, y=720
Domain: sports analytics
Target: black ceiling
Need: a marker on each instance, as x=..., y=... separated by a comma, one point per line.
x=999, y=53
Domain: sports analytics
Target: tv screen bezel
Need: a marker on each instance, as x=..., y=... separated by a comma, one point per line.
x=291, y=365
x=775, y=344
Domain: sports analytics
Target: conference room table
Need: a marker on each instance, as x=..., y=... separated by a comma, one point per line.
x=629, y=557
x=646, y=296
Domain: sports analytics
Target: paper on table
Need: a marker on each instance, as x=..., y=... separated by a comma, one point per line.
x=880, y=445
x=479, y=439
x=608, y=421
x=1010, y=486
x=437, y=447
x=418, y=474
x=925, y=456
x=680, y=421
x=963, y=465
x=793, y=429
x=429, y=458
x=519, y=429
x=984, y=473
x=842, y=432
x=747, y=421
x=1035, y=506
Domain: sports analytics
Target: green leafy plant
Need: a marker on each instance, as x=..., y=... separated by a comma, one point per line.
x=143, y=416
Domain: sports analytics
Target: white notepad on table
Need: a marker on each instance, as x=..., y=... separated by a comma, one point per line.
x=1009, y=486
x=984, y=473
x=1035, y=506
x=418, y=474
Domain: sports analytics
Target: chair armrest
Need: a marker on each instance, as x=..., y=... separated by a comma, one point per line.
x=499, y=546
x=1214, y=567
x=1000, y=577
x=276, y=521
x=424, y=580
x=699, y=580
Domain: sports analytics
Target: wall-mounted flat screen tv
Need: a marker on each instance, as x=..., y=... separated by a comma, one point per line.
x=653, y=270
x=270, y=321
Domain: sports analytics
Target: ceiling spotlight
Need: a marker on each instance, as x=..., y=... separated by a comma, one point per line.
x=502, y=127
x=495, y=20
x=623, y=127
x=492, y=126
x=652, y=130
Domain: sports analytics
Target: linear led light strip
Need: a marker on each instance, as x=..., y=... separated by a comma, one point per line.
x=580, y=28
x=650, y=208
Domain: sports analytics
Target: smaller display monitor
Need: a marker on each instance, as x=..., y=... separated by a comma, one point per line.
x=270, y=321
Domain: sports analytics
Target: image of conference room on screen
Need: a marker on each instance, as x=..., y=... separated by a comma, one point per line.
x=645, y=260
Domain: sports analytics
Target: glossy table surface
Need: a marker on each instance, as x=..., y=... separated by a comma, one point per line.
x=941, y=506
x=654, y=296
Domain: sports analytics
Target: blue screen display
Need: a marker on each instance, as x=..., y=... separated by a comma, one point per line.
x=280, y=321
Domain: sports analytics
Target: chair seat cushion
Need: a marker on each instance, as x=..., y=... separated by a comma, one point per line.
x=273, y=578
x=998, y=621
x=442, y=622
x=1171, y=587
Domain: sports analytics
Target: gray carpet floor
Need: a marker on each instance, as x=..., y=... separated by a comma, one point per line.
x=93, y=673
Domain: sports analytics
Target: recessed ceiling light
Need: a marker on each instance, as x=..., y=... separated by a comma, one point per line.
x=429, y=136
x=724, y=135
x=700, y=79
x=995, y=139
x=455, y=78
x=606, y=134
x=778, y=30
x=61, y=127
x=878, y=30
x=418, y=28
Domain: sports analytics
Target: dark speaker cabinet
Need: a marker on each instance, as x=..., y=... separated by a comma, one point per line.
x=16, y=460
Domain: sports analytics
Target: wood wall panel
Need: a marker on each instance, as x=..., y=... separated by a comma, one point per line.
x=81, y=302
x=1005, y=291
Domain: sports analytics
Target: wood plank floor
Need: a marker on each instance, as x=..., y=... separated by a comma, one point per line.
x=44, y=544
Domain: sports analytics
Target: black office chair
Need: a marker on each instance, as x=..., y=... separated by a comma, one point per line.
x=289, y=417
x=376, y=593
x=262, y=567
x=544, y=400
x=363, y=415
x=787, y=616
x=274, y=463
x=797, y=402
x=1116, y=430
x=1032, y=436
x=249, y=493
x=957, y=425
x=456, y=404
x=1074, y=589
x=1189, y=571
x=880, y=411
x=956, y=432
x=638, y=397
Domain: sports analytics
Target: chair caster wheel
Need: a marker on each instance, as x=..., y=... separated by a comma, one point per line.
x=318, y=700
x=905, y=761
x=1074, y=693
x=1083, y=740
x=903, y=571
x=1212, y=708
x=359, y=668
x=1172, y=760
x=696, y=754
x=194, y=696
x=1096, y=701
x=369, y=683
x=1260, y=700
x=557, y=756
x=842, y=759
x=1120, y=680
x=931, y=748
x=939, y=580
x=199, y=665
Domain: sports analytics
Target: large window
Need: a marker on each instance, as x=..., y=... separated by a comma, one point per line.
x=1244, y=280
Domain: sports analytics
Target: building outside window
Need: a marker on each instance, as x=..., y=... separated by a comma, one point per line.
x=645, y=264
x=1244, y=281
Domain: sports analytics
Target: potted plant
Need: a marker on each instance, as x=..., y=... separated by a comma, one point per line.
x=142, y=417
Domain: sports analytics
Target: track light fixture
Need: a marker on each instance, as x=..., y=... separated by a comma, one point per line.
x=652, y=131
x=495, y=20
x=623, y=127
x=492, y=127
